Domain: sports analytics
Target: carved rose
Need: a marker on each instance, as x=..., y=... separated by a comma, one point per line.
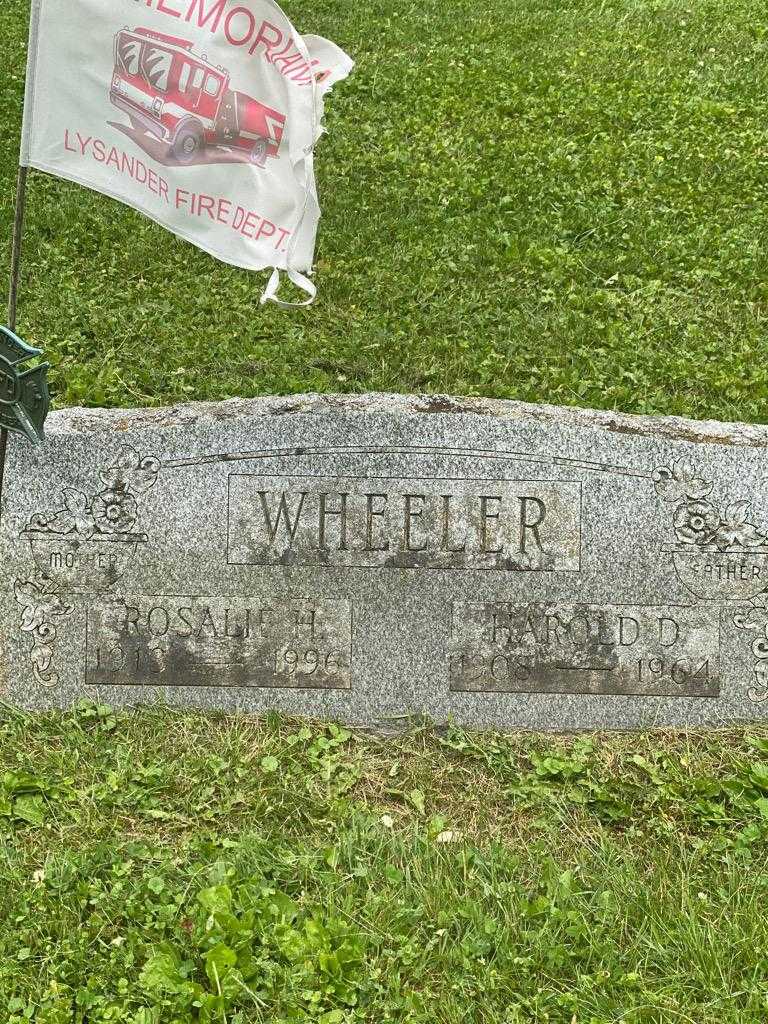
x=736, y=531
x=129, y=472
x=114, y=511
x=699, y=522
x=680, y=482
x=111, y=511
x=696, y=523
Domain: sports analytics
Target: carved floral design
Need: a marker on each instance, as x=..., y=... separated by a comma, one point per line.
x=83, y=547
x=41, y=604
x=680, y=483
x=756, y=620
x=112, y=511
x=700, y=522
x=720, y=555
x=128, y=472
x=696, y=522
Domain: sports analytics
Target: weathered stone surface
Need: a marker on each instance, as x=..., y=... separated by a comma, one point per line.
x=240, y=642
x=644, y=650
x=367, y=558
x=405, y=523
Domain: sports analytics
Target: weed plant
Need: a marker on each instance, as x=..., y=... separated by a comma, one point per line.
x=165, y=868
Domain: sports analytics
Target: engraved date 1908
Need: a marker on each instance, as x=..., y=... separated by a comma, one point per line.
x=599, y=649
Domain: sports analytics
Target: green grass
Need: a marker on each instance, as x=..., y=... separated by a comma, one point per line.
x=558, y=200
x=159, y=868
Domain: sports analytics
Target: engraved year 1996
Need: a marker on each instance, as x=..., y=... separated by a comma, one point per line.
x=220, y=642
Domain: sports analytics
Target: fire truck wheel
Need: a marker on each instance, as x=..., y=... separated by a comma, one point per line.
x=187, y=144
x=259, y=153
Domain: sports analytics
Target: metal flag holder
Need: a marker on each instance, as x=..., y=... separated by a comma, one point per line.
x=24, y=398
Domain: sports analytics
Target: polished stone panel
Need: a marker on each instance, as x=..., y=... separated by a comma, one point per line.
x=367, y=558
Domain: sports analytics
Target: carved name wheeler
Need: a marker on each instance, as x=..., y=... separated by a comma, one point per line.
x=372, y=558
x=397, y=523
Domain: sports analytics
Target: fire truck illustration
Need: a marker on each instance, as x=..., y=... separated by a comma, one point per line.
x=182, y=99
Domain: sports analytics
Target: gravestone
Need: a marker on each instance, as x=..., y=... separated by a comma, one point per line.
x=369, y=558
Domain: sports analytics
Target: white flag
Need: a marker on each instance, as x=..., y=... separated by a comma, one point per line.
x=201, y=114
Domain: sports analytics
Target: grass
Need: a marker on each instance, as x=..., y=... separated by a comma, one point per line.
x=546, y=201
x=560, y=201
x=160, y=868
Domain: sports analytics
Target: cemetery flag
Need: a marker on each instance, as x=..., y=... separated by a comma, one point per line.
x=201, y=114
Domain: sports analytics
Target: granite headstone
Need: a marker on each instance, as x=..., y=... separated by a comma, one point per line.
x=370, y=558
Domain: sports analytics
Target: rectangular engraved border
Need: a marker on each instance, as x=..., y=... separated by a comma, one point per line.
x=426, y=479
x=525, y=691
x=229, y=686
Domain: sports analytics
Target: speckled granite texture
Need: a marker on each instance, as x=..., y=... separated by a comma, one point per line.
x=370, y=557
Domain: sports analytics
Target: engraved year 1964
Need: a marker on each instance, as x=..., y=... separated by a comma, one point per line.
x=605, y=649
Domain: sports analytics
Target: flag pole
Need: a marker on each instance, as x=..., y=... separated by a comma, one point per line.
x=18, y=232
x=13, y=291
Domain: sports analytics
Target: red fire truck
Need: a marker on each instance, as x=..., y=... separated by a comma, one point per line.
x=168, y=90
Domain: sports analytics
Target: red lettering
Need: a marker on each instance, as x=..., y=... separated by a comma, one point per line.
x=206, y=204
x=215, y=12
x=262, y=37
x=222, y=215
x=249, y=222
x=181, y=197
x=281, y=53
x=239, y=218
x=167, y=10
x=263, y=232
x=288, y=62
x=83, y=143
x=99, y=152
x=228, y=23
x=305, y=75
x=113, y=158
x=69, y=149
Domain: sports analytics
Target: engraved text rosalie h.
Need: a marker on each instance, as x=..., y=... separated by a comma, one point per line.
x=204, y=641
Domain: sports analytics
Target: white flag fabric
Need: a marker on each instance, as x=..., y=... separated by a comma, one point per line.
x=201, y=114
